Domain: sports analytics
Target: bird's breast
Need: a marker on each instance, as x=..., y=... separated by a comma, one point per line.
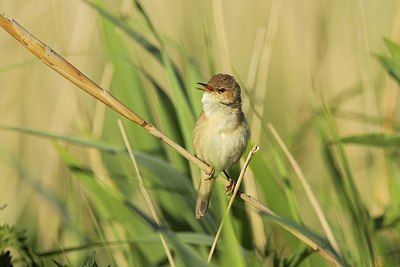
x=220, y=141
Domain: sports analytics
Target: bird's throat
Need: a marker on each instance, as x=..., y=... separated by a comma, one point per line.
x=213, y=106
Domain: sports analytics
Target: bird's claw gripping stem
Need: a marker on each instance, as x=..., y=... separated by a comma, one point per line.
x=230, y=187
x=211, y=174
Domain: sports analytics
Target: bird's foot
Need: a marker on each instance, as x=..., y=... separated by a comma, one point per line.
x=230, y=187
x=210, y=175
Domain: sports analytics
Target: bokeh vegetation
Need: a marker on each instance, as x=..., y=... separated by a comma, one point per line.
x=325, y=74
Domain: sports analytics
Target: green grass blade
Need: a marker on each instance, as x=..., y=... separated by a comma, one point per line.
x=173, y=191
x=177, y=188
x=166, y=119
x=152, y=49
x=109, y=205
x=128, y=88
x=391, y=65
x=308, y=236
x=346, y=188
x=65, y=138
x=188, y=238
x=187, y=254
x=287, y=187
x=394, y=49
x=232, y=252
x=181, y=100
x=108, y=202
x=186, y=115
x=375, y=140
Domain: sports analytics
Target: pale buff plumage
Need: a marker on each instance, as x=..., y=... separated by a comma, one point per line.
x=221, y=133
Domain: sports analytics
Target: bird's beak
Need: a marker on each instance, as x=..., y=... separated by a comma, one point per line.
x=205, y=87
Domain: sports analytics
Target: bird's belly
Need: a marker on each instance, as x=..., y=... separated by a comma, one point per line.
x=223, y=149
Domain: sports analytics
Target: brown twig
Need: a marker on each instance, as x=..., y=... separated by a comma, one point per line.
x=235, y=191
x=67, y=70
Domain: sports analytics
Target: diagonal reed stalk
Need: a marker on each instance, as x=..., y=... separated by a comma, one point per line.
x=67, y=70
x=307, y=188
x=235, y=191
x=146, y=194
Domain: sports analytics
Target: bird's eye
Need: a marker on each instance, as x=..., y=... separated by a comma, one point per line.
x=221, y=90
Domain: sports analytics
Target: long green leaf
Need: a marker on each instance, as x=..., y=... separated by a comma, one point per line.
x=127, y=86
x=232, y=252
x=68, y=139
x=343, y=178
x=391, y=65
x=185, y=112
x=306, y=235
x=394, y=49
x=152, y=49
x=187, y=254
x=375, y=140
x=189, y=238
x=181, y=102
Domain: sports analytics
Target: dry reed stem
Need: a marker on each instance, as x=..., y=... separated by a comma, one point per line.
x=67, y=70
x=235, y=191
x=281, y=221
x=307, y=188
x=145, y=193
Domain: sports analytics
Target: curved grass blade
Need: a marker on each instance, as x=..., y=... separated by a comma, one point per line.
x=175, y=69
x=391, y=64
x=312, y=239
x=375, y=140
x=189, y=256
x=166, y=118
x=110, y=205
x=394, y=49
x=152, y=49
x=231, y=253
x=185, y=112
x=176, y=182
x=343, y=178
x=189, y=238
x=68, y=139
x=127, y=87
x=181, y=99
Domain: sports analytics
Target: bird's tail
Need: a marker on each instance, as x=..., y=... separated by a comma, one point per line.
x=203, y=195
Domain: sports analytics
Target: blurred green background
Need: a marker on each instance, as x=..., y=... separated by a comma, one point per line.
x=310, y=68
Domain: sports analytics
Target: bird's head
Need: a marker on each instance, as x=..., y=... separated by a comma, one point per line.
x=223, y=89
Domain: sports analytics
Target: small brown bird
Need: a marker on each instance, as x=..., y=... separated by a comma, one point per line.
x=221, y=133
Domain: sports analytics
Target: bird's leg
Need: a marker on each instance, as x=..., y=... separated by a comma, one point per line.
x=210, y=175
x=232, y=184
